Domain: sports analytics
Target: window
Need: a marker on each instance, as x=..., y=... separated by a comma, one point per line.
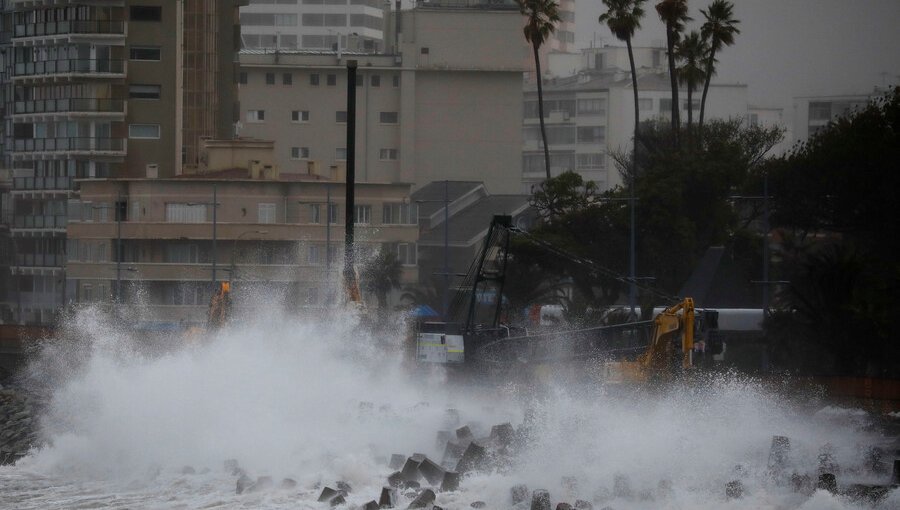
x=314, y=256
x=406, y=253
x=145, y=131
x=270, y=78
x=331, y=79
x=665, y=105
x=592, y=106
x=287, y=79
x=185, y=213
x=363, y=214
x=242, y=78
x=87, y=293
x=299, y=152
x=645, y=104
x=135, y=210
x=143, y=91
x=591, y=161
x=375, y=80
x=332, y=213
x=300, y=116
x=340, y=116
x=388, y=117
x=145, y=13
x=424, y=50
x=314, y=79
x=695, y=103
x=591, y=134
x=820, y=111
x=182, y=254
x=398, y=214
x=396, y=80
x=144, y=53
x=256, y=115
x=388, y=154
x=314, y=216
x=340, y=154
x=266, y=213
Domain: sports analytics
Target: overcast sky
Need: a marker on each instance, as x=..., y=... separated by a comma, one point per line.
x=789, y=48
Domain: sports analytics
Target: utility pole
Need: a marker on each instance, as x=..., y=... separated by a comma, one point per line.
x=349, y=275
x=119, y=209
x=215, y=206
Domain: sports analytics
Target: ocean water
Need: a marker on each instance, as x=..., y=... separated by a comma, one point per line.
x=132, y=424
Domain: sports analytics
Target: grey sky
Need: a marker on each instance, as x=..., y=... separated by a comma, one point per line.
x=789, y=48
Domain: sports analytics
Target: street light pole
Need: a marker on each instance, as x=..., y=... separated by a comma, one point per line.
x=444, y=298
x=215, y=205
x=119, y=204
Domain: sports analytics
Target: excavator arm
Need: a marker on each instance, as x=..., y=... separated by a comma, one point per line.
x=662, y=356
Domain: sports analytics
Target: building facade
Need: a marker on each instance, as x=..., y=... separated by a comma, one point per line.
x=99, y=90
x=812, y=113
x=441, y=107
x=590, y=114
x=270, y=234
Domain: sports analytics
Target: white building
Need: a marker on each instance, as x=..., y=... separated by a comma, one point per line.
x=812, y=113
x=590, y=114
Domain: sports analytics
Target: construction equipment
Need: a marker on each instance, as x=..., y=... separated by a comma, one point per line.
x=219, y=307
x=636, y=351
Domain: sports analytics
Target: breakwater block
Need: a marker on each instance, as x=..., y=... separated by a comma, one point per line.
x=895, y=474
x=343, y=487
x=871, y=494
x=452, y=417
x=540, y=500
x=423, y=500
x=581, y=504
x=396, y=479
x=453, y=451
x=473, y=459
x=503, y=434
x=450, y=481
x=288, y=483
x=622, y=486
x=563, y=506
x=397, y=461
x=431, y=471
x=388, y=498
x=337, y=500
x=779, y=452
x=519, y=493
x=734, y=489
x=442, y=437
x=243, y=483
x=410, y=470
x=232, y=467
x=478, y=504
x=827, y=482
x=464, y=434
x=327, y=494
x=371, y=505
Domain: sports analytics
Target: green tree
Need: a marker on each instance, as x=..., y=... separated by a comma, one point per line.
x=690, y=51
x=674, y=14
x=623, y=17
x=718, y=31
x=381, y=275
x=542, y=18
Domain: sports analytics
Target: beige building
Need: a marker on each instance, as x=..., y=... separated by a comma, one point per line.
x=439, y=106
x=269, y=234
x=103, y=89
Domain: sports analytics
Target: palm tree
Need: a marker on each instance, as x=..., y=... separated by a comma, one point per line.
x=691, y=51
x=543, y=15
x=719, y=31
x=382, y=274
x=674, y=13
x=623, y=18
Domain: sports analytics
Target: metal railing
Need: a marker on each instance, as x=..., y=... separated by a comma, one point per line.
x=68, y=144
x=71, y=65
x=70, y=104
x=41, y=221
x=40, y=260
x=69, y=27
x=471, y=4
x=43, y=183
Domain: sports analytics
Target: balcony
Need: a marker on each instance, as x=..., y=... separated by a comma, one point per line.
x=69, y=27
x=43, y=183
x=41, y=221
x=70, y=105
x=78, y=145
x=227, y=232
x=106, y=68
x=39, y=260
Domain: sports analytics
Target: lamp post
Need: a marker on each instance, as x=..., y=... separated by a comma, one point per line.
x=215, y=206
x=234, y=248
x=446, y=271
x=118, y=252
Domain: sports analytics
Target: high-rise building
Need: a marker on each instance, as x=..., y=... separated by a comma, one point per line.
x=102, y=89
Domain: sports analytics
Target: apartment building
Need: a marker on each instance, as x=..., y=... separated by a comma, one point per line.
x=590, y=114
x=812, y=113
x=441, y=107
x=271, y=234
x=100, y=90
